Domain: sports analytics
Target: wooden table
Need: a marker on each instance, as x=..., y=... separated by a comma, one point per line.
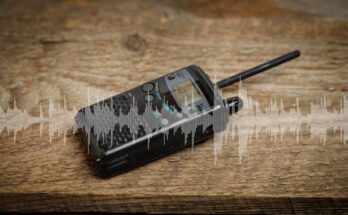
x=51, y=50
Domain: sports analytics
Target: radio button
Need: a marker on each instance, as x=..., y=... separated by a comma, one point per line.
x=171, y=77
x=147, y=87
x=148, y=98
x=164, y=121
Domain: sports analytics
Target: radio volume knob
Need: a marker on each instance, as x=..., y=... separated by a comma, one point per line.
x=147, y=87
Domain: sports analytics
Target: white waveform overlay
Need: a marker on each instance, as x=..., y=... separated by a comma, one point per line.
x=60, y=120
x=15, y=120
x=244, y=127
x=105, y=121
x=275, y=121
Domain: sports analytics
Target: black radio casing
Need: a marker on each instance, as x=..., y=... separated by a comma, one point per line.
x=129, y=151
x=155, y=119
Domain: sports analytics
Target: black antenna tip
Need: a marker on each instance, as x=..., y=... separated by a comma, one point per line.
x=296, y=53
x=260, y=68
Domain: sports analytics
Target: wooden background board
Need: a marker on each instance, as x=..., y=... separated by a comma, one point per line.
x=56, y=49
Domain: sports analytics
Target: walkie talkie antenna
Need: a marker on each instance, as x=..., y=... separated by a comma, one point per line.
x=257, y=69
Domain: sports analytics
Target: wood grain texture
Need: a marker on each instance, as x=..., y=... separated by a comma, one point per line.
x=52, y=49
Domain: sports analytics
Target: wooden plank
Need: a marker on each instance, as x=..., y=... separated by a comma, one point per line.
x=52, y=50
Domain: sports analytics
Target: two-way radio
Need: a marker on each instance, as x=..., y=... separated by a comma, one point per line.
x=160, y=117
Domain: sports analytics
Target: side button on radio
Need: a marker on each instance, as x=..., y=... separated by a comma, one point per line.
x=171, y=77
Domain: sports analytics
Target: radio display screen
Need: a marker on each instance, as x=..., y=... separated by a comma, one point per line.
x=186, y=92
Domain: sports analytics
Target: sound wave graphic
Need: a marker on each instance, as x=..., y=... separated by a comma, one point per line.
x=246, y=126
x=276, y=121
x=15, y=120
x=59, y=120
x=106, y=120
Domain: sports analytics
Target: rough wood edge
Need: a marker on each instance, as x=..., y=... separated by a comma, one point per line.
x=45, y=202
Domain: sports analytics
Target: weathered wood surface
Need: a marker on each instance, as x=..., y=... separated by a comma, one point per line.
x=52, y=49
